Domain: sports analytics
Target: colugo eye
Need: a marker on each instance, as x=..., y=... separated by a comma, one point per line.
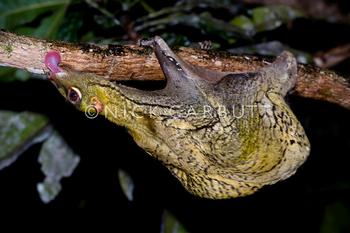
x=74, y=95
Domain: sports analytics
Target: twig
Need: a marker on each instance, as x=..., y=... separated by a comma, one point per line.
x=332, y=56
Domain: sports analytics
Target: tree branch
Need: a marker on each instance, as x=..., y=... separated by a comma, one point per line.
x=132, y=62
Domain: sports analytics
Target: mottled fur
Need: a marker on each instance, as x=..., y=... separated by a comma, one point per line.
x=221, y=134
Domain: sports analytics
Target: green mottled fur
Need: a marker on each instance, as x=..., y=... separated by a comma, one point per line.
x=194, y=128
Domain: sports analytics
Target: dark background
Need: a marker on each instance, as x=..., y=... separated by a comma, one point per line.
x=315, y=199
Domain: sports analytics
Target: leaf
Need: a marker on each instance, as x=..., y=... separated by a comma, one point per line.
x=271, y=48
x=170, y=224
x=57, y=160
x=72, y=24
x=127, y=184
x=49, y=26
x=227, y=31
x=15, y=15
x=18, y=131
x=265, y=19
x=7, y=74
x=204, y=22
x=21, y=75
x=271, y=17
x=244, y=23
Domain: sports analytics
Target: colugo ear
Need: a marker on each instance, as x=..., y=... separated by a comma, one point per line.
x=282, y=73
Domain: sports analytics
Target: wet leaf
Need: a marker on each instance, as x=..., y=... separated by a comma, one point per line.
x=170, y=224
x=18, y=131
x=57, y=160
x=127, y=184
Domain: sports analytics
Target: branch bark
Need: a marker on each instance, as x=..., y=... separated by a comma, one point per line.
x=131, y=62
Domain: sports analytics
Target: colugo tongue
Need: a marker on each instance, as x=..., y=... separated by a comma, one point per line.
x=52, y=59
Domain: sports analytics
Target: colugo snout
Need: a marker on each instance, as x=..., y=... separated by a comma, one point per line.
x=213, y=155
